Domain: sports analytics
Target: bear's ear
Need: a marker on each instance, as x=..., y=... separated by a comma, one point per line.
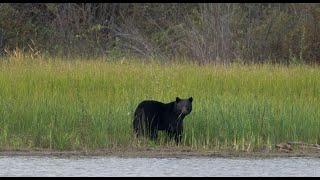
x=178, y=99
x=190, y=99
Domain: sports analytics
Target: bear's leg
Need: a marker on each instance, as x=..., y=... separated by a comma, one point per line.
x=139, y=123
x=170, y=134
x=154, y=134
x=178, y=136
x=137, y=127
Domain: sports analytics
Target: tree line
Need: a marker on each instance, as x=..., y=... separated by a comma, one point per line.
x=201, y=32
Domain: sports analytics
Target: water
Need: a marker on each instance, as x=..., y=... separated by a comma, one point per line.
x=194, y=166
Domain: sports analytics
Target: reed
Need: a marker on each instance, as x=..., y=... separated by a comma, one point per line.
x=89, y=104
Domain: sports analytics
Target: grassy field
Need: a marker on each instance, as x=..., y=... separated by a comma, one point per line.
x=76, y=105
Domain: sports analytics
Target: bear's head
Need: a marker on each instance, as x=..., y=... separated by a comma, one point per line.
x=184, y=106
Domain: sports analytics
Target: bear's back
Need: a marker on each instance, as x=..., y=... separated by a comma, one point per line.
x=151, y=106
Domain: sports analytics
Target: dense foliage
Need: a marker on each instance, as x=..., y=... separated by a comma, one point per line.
x=221, y=33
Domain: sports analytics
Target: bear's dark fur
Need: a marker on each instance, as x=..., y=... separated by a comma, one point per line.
x=151, y=116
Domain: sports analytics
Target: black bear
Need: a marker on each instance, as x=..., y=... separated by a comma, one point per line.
x=151, y=116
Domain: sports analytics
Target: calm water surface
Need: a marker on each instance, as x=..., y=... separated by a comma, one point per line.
x=194, y=166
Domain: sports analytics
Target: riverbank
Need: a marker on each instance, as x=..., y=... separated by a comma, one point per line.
x=165, y=152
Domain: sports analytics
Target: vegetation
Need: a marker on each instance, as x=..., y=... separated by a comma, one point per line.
x=286, y=33
x=89, y=104
x=72, y=74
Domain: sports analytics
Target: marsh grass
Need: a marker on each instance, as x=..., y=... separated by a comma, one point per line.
x=76, y=105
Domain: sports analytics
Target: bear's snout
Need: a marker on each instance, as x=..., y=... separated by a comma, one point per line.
x=184, y=110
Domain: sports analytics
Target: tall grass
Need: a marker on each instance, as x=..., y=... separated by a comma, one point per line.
x=72, y=105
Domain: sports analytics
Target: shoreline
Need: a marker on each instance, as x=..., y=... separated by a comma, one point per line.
x=162, y=152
